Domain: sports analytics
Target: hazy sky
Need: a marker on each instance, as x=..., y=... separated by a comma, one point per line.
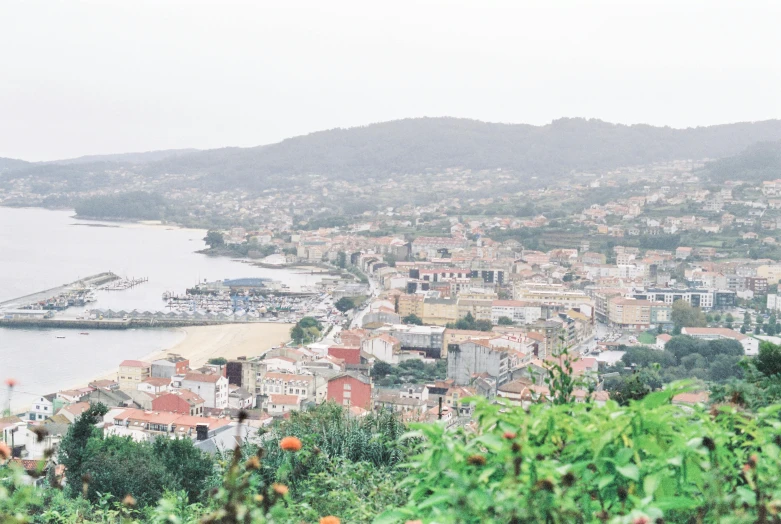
x=101, y=77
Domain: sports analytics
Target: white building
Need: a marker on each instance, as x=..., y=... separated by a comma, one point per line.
x=750, y=344
x=518, y=311
x=40, y=409
x=383, y=347
x=213, y=389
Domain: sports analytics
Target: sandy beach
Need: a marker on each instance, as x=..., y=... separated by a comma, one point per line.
x=227, y=340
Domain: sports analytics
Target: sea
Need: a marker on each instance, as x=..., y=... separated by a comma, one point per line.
x=42, y=249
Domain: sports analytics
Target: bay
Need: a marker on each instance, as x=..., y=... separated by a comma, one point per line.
x=42, y=249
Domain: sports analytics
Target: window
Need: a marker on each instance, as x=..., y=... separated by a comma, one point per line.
x=347, y=387
x=347, y=394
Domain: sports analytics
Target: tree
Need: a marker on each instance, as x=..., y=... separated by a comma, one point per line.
x=187, y=466
x=685, y=315
x=729, y=318
x=381, y=369
x=74, y=444
x=743, y=329
x=298, y=334
x=505, y=321
x=344, y=304
x=768, y=361
x=341, y=259
x=390, y=259
x=214, y=239
x=218, y=361
x=412, y=319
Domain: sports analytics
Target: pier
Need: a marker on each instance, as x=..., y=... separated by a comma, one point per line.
x=101, y=279
x=130, y=323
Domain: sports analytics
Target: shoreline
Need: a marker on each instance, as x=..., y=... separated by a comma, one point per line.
x=200, y=343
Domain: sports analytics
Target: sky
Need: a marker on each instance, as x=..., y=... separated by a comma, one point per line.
x=108, y=76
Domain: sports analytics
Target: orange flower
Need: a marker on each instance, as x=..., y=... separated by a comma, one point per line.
x=5, y=451
x=10, y=382
x=330, y=520
x=414, y=522
x=509, y=435
x=280, y=489
x=290, y=444
x=252, y=463
x=129, y=500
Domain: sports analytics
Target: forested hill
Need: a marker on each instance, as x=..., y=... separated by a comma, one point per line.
x=414, y=145
x=8, y=164
x=757, y=163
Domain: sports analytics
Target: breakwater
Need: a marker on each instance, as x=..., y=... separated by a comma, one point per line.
x=94, y=281
x=86, y=325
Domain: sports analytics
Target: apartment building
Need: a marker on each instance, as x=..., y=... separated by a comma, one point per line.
x=628, y=313
x=518, y=311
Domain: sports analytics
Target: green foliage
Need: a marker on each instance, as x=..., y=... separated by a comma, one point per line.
x=411, y=372
x=505, y=321
x=214, y=239
x=768, y=361
x=469, y=322
x=218, y=361
x=306, y=330
x=412, y=319
x=344, y=304
x=579, y=463
x=136, y=205
x=74, y=444
x=685, y=315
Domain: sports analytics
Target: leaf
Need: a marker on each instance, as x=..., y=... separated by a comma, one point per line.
x=606, y=480
x=669, y=503
x=629, y=471
x=650, y=483
x=654, y=400
x=391, y=517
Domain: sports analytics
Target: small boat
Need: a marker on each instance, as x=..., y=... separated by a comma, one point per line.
x=83, y=333
x=60, y=336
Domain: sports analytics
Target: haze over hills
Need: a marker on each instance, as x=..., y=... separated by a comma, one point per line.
x=416, y=145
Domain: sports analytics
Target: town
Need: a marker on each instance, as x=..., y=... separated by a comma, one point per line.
x=444, y=303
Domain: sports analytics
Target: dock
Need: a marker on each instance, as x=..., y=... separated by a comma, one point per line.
x=112, y=324
x=101, y=279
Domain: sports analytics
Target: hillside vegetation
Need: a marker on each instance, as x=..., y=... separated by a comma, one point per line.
x=757, y=163
x=415, y=145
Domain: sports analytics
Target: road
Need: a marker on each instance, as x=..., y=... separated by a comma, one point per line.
x=358, y=317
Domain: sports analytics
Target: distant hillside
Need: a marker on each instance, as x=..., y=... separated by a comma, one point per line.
x=759, y=162
x=414, y=145
x=127, y=158
x=8, y=164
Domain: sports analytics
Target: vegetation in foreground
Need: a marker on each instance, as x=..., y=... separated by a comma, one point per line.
x=647, y=461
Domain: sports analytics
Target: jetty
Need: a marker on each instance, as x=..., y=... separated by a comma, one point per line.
x=93, y=281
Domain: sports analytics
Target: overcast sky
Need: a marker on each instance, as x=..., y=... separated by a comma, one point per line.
x=82, y=78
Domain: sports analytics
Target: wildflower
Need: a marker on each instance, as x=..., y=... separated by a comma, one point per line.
x=5, y=451
x=330, y=519
x=509, y=435
x=10, y=382
x=414, y=522
x=642, y=519
x=290, y=444
x=252, y=463
x=476, y=460
x=258, y=499
x=129, y=500
x=280, y=489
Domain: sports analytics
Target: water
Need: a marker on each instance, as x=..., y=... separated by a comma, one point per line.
x=41, y=249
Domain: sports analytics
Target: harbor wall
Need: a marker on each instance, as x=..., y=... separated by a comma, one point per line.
x=28, y=323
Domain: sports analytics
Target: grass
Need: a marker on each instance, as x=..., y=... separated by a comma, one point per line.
x=646, y=338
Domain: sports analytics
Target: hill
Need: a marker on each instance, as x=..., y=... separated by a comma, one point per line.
x=414, y=145
x=9, y=164
x=759, y=162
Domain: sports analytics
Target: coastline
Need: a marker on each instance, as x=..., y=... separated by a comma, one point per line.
x=200, y=343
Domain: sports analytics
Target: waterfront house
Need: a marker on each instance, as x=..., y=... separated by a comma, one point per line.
x=212, y=388
x=40, y=409
x=133, y=372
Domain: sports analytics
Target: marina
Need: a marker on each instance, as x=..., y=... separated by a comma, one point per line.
x=76, y=293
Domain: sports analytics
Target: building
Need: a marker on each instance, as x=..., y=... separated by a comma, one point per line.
x=517, y=311
x=553, y=294
x=145, y=425
x=180, y=401
x=281, y=404
x=154, y=385
x=479, y=308
x=213, y=389
x=474, y=357
x=240, y=398
x=350, y=355
x=750, y=344
x=701, y=298
x=132, y=372
x=41, y=408
x=426, y=339
x=439, y=311
x=383, y=347
x=350, y=389
x=629, y=313
x=301, y=386
x=170, y=366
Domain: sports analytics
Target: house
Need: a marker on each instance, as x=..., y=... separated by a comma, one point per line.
x=143, y=425
x=154, y=385
x=73, y=411
x=180, y=401
x=281, y=404
x=70, y=396
x=213, y=389
x=350, y=355
x=350, y=389
x=240, y=398
x=170, y=366
x=40, y=409
x=302, y=386
x=475, y=357
x=750, y=344
x=662, y=340
x=383, y=347
x=133, y=372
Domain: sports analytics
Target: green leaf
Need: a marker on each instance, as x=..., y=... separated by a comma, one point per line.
x=391, y=517
x=606, y=480
x=629, y=471
x=650, y=483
